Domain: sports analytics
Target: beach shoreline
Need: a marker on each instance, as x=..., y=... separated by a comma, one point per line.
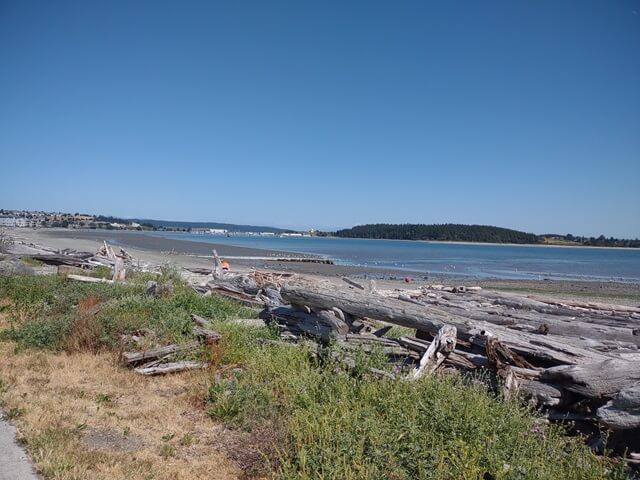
x=192, y=254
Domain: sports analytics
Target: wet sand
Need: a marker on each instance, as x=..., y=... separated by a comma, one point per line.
x=160, y=244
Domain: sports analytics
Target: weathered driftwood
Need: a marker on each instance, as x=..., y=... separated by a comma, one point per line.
x=516, y=315
x=200, y=321
x=119, y=270
x=500, y=356
x=77, y=260
x=595, y=380
x=440, y=348
x=202, y=330
x=217, y=272
x=353, y=283
x=208, y=336
x=82, y=278
x=249, y=322
x=509, y=382
x=330, y=317
x=547, y=351
x=174, y=367
x=134, y=358
x=324, y=327
x=622, y=412
x=543, y=394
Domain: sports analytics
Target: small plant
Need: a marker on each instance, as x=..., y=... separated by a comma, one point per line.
x=104, y=400
x=31, y=262
x=187, y=440
x=15, y=412
x=80, y=427
x=168, y=437
x=167, y=451
x=102, y=272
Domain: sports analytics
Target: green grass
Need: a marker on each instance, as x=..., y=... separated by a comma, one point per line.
x=333, y=423
x=50, y=311
x=31, y=262
x=397, y=332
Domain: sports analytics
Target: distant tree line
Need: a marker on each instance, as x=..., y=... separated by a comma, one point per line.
x=600, y=241
x=444, y=232
x=453, y=232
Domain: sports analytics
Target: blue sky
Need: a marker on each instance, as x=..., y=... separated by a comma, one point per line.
x=325, y=114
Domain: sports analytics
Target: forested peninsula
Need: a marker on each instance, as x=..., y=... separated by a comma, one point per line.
x=453, y=232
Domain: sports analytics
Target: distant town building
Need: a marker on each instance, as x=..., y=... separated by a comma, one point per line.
x=7, y=222
x=19, y=222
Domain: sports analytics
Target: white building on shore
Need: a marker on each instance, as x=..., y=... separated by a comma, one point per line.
x=18, y=222
x=7, y=222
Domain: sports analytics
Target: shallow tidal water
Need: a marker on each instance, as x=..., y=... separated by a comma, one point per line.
x=479, y=261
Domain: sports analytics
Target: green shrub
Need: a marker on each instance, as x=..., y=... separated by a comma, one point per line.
x=345, y=424
x=49, y=311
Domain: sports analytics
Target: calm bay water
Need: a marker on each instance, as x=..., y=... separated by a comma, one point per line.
x=477, y=260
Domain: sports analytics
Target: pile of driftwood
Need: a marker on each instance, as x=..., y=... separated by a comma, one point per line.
x=576, y=361
x=73, y=263
x=150, y=359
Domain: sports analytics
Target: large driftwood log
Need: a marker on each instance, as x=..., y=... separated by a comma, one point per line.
x=623, y=411
x=134, y=358
x=77, y=260
x=82, y=278
x=441, y=347
x=595, y=380
x=544, y=349
x=605, y=333
x=166, y=368
x=324, y=327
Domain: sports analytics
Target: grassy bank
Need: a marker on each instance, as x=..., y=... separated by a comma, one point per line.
x=263, y=409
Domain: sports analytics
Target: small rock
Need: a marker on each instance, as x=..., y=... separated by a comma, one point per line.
x=543, y=329
x=151, y=288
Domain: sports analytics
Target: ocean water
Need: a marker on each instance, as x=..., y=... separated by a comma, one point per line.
x=464, y=260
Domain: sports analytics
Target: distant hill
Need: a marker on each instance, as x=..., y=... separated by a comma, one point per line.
x=175, y=225
x=442, y=232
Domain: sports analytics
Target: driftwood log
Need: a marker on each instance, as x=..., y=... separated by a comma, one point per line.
x=600, y=380
x=541, y=348
x=173, y=367
x=134, y=358
x=202, y=330
x=623, y=411
x=441, y=347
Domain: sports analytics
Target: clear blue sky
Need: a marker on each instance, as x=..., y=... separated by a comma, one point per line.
x=325, y=114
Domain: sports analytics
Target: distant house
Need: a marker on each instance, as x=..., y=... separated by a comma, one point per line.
x=18, y=222
x=7, y=222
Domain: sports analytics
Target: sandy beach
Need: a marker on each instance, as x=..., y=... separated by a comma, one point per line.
x=189, y=254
